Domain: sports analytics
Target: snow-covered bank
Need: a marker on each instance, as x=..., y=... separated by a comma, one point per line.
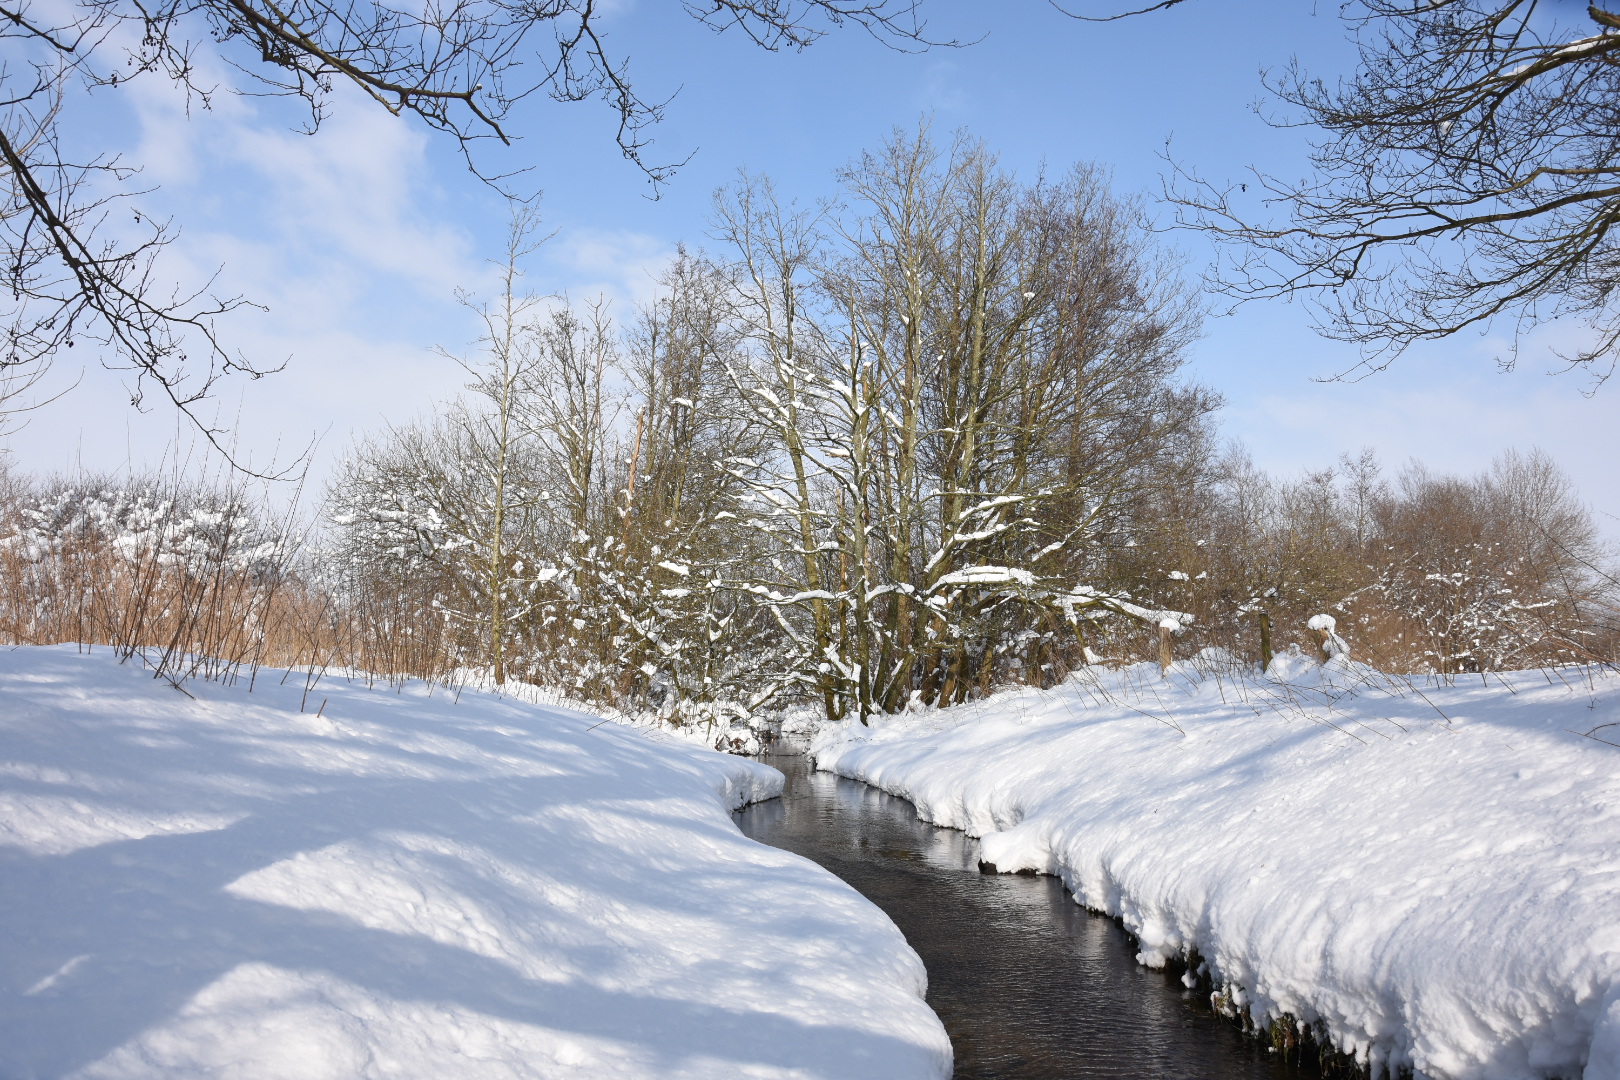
x=410, y=886
x=1430, y=875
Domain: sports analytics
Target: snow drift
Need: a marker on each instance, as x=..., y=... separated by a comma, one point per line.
x=397, y=884
x=1429, y=875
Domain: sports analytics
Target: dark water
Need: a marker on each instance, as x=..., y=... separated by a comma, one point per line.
x=1028, y=983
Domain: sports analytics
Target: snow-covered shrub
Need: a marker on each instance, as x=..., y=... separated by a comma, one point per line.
x=406, y=549
x=545, y=531
x=1433, y=573
x=1493, y=572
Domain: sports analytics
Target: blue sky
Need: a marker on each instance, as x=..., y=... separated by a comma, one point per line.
x=355, y=238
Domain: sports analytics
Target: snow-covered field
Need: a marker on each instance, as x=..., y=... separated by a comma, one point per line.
x=1429, y=874
x=406, y=885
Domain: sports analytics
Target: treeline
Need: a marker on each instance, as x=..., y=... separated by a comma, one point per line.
x=872, y=454
x=1423, y=572
x=927, y=439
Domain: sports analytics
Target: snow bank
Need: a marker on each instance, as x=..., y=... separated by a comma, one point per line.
x=408, y=886
x=1430, y=875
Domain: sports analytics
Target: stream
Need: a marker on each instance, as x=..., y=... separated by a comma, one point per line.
x=1028, y=983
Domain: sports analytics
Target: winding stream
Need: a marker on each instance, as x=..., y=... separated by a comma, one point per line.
x=1028, y=983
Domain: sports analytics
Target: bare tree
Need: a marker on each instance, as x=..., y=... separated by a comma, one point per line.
x=500, y=437
x=463, y=68
x=963, y=375
x=457, y=501
x=776, y=253
x=1433, y=573
x=700, y=641
x=1024, y=340
x=1495, y=571
x=1467, y=174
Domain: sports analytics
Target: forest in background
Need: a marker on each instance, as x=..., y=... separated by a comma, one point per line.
x=929, y=438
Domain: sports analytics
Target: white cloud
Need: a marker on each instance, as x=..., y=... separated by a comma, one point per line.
x=347, y=239
x=336, y=234
x=943, y=87
x=622, y=265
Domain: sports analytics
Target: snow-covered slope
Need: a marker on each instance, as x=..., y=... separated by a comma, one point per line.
x=410, y=886
x=1430, y=874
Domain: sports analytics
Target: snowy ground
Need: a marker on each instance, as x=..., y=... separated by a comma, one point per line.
x=410, y=886
x=1429, y=874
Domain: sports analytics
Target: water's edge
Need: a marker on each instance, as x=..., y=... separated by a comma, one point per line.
x=1027, y=982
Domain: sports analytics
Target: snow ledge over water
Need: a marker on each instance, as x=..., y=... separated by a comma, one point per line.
x=1427, y=874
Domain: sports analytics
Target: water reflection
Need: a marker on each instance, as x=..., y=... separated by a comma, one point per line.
x=1028, y=983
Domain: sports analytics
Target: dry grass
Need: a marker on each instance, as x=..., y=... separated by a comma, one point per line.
x=199, y=581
